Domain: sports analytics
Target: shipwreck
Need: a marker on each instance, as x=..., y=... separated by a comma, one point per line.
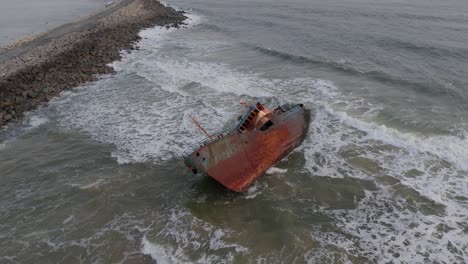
x=238, y=157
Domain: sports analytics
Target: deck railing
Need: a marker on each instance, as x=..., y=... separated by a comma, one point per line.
x=205, y=141
x=218, y=135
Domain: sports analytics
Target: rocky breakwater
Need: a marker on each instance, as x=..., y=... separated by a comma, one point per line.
x=34, y=72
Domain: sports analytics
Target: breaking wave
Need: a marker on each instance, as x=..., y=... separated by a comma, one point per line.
x=179, y=229
x=143, y=111
x=421, y=87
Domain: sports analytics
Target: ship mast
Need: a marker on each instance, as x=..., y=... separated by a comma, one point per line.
x=200, y=127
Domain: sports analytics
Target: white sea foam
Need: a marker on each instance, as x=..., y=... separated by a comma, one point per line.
x=440, y=160
x=322, y=255
x=214, y=75
x=92, y=185
x=180, y=229
x=160, y=128
x=383, y=231
x=35, y=121
x=122, y=157
x=275, y=170
x=152, y=40
x=160, y=253
x=120, y=114
x=372, y=225
x=451, y=148
x=256, y=189
x=68, y=220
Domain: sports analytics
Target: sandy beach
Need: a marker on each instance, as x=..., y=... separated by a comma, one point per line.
x=36, y=69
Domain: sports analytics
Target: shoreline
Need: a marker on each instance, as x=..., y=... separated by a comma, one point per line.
x=37, y=70
x=27, y=39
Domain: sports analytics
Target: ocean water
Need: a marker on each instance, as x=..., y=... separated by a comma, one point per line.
x=382, y=176
x=21, y=18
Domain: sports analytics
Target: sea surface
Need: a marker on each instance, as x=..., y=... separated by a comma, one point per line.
x=21, y=18
x=382, y=176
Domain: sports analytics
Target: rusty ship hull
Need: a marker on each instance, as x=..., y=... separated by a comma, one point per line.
x=238, y=158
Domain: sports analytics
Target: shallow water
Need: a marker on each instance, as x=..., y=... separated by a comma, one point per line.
x=96, y=176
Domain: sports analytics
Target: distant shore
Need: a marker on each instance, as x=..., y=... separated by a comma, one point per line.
x=37, y=69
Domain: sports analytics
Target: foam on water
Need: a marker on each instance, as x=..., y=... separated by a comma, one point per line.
x=92, y=185
x=275, y=170
x=451, y=148
x=382, y=226
x=180, y=229
x=383, y=230
x=68, y=220
x=149, y=119
x=256, y=189
x=31, y=121
x=36, y=121
x=160, y=253
x=153, y=39
x=160, y=128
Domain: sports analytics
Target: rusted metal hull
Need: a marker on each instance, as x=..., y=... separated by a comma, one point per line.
x=238, y=159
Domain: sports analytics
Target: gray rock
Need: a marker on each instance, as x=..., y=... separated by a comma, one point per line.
x=31, y=94
x=77, y=57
